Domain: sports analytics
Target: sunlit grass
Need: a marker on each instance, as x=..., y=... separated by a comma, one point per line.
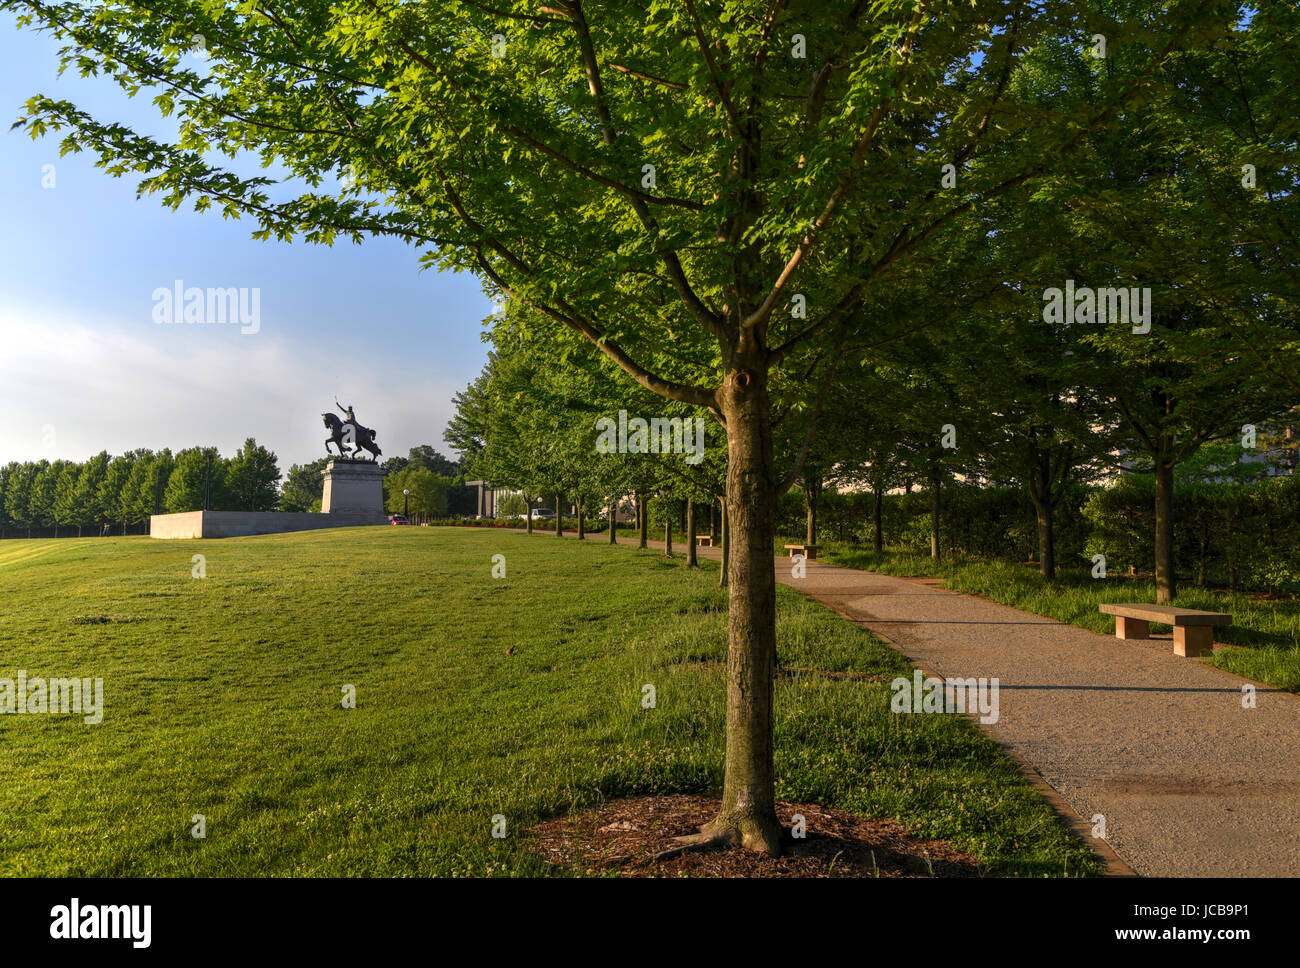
x=223, y=694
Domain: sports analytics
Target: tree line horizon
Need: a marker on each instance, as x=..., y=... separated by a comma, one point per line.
x=125, y=490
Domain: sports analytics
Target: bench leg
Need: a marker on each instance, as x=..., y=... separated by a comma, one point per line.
x=1193, y=640
x=1132, y=628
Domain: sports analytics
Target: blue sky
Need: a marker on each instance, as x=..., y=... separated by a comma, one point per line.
x=84, y=367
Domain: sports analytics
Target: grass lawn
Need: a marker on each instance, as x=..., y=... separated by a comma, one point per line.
x=1266, y=632
x=222, y=698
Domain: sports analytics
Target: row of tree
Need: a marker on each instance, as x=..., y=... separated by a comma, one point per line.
x=123, y=491
x=1038, y=409
x=68, y=497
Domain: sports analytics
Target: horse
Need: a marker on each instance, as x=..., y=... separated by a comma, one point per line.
x=362, y=439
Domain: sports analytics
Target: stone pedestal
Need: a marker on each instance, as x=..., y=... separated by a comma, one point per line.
x=352, y=487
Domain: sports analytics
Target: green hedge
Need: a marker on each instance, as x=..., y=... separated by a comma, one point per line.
x=985, y=522
x=1242, y=536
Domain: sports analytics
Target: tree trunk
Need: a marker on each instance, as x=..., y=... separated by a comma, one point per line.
x=559, y=516
x=1046, y=536
x=934, y=518
x=748, y=814
x=877, y=516
x=1040, y=494
x=643, y=521
x=725, y=533
x=1165, y=579
x=582, y=535
x=691, y=559
x=529, y=502
x=1047, y=541
x=812, y=491
x=668, y=536
x=613, y=520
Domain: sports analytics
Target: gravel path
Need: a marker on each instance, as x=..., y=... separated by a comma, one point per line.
x=1190, y=783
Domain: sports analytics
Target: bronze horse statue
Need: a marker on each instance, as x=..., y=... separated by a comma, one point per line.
x=363, y=438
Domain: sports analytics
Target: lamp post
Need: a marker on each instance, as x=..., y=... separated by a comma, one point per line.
x=406, y=502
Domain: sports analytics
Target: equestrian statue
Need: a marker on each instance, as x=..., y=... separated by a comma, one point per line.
x=349, y=436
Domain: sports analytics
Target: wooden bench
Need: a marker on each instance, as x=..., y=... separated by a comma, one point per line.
x=809, y=552
x=704, y=540
x=1193, y=630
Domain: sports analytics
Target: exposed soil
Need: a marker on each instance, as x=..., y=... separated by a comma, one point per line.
x=622, y=837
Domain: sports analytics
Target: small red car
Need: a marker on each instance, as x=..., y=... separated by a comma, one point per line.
x=397, y=519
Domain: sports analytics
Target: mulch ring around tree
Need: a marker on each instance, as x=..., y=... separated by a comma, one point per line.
x=622, y=837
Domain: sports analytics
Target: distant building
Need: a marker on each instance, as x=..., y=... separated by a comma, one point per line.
x=485, y=499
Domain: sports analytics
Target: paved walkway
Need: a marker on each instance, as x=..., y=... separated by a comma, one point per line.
x=1189, y=782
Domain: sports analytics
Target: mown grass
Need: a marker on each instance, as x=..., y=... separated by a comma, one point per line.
x=1264, y=631
x=222, y=698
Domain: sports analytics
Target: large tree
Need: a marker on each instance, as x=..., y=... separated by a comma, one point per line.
x=189, y=485
x=252, y=478
x=303, y=487
x=110, y=495
x=63, y=504
x=19, y=483
x=6, y=472
x=705, y=191
x=89, y=510
x=424, y=455
x=428, y=497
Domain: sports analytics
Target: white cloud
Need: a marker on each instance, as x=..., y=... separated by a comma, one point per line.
x=94, y=385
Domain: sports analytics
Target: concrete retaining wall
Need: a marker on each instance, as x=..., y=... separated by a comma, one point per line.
x=234, y=524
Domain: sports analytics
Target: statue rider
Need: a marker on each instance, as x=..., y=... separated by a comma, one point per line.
x=347, y=412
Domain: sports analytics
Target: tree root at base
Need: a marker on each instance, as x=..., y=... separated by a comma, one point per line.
x=744, y=831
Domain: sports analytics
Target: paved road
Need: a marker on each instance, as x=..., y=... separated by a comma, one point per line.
x=1190, y=783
